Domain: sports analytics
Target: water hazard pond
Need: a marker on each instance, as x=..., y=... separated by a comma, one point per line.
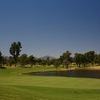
x=69, y=73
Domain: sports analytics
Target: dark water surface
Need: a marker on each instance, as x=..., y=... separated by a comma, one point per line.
x=70, y=73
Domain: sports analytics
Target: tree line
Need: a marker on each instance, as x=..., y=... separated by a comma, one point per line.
x=65, y=59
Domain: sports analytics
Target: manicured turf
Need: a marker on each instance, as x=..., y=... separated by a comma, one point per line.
x=16, y=86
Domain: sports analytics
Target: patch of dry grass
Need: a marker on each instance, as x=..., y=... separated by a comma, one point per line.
x=89, y=68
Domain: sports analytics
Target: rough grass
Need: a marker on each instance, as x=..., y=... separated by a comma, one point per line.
x=16, y=86
x=89, y=68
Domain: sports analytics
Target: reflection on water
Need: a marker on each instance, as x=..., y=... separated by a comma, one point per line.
x=71, y=73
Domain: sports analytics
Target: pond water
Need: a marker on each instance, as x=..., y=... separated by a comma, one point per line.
x=70, y=73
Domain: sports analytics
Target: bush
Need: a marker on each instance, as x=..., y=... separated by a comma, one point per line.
x=1, y=67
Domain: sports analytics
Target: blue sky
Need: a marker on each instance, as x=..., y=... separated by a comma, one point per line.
x=50, y=27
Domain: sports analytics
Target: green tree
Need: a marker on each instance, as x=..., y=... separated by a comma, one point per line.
x=57, y=63
x=48, y=61
x=0, y=58
x=97, y=59
x=66, y=59
x=78, y=59
x=23, y=60
x=4, y=60
x=90, y=56
x=15, y=50
x=10, y=61
x=31, y=60
x=51, y=62
x=43, y=62
x=38, y=61
x=84, y=60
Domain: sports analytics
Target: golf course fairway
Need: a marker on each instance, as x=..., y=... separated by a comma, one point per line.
x=14, y=85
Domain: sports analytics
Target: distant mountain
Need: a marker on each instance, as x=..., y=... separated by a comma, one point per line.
x=46, y=57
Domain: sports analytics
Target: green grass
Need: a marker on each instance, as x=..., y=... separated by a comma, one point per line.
x=16, y=86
